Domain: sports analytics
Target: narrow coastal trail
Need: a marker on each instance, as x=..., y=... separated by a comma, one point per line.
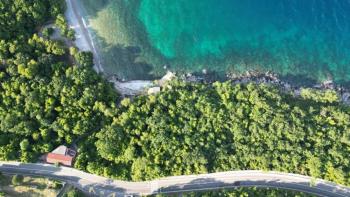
x=101, y=186
x=85, y=42
x=73, y=7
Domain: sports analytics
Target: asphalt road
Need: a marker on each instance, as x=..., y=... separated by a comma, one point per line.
x=100, y=186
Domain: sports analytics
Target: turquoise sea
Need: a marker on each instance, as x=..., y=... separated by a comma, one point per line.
x=298, y=39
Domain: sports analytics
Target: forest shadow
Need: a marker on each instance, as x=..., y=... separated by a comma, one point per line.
x=201, y=184
x=104, y=190
x=211, y=184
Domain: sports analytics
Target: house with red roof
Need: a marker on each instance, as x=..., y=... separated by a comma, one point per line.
x=61, y=155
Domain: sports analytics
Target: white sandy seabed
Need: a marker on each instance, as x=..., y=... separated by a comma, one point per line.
x=136, y=87
x=82, y=42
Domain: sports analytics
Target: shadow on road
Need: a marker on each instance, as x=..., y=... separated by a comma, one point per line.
x=99, y=186
x=206, y=184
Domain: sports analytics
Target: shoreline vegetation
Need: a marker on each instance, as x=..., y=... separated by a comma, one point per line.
x=84, y=41
x=51, y=95
x=130, y=38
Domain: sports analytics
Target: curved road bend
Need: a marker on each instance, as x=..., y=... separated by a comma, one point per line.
x=101, y=186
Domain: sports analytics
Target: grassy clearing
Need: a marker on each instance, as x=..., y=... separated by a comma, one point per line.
x=28, y=187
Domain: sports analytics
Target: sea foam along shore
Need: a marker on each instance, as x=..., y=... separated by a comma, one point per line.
x=83, y=37
x=85, y=42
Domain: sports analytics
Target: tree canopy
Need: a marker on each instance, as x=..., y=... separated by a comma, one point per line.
x=44, y=100
x=188, y=128
x=19, y=19
x=199, y=128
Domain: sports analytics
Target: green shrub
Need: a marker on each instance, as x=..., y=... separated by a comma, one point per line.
x=17, y=179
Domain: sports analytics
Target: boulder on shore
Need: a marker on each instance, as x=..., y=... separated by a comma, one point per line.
x=168, y=77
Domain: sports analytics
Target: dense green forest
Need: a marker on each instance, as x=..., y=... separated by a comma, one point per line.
x=50, y=95
x=245, y=192
x=200, y=128
x=44, y=100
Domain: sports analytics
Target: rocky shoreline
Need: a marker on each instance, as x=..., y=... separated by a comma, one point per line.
x=272, y=78
x=247, y=77
x=132, y=88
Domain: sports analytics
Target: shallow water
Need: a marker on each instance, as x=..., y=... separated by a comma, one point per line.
x=296, y=38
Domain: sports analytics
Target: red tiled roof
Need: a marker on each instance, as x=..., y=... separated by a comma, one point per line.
x=57, y=158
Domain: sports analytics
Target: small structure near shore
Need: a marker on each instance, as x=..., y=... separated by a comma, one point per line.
x=168, y=77
x=153, y=90
x=137, y=87
x=61, y=155
x=161, y=83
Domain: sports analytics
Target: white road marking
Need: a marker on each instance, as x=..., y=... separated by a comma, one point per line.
x=96, y=184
